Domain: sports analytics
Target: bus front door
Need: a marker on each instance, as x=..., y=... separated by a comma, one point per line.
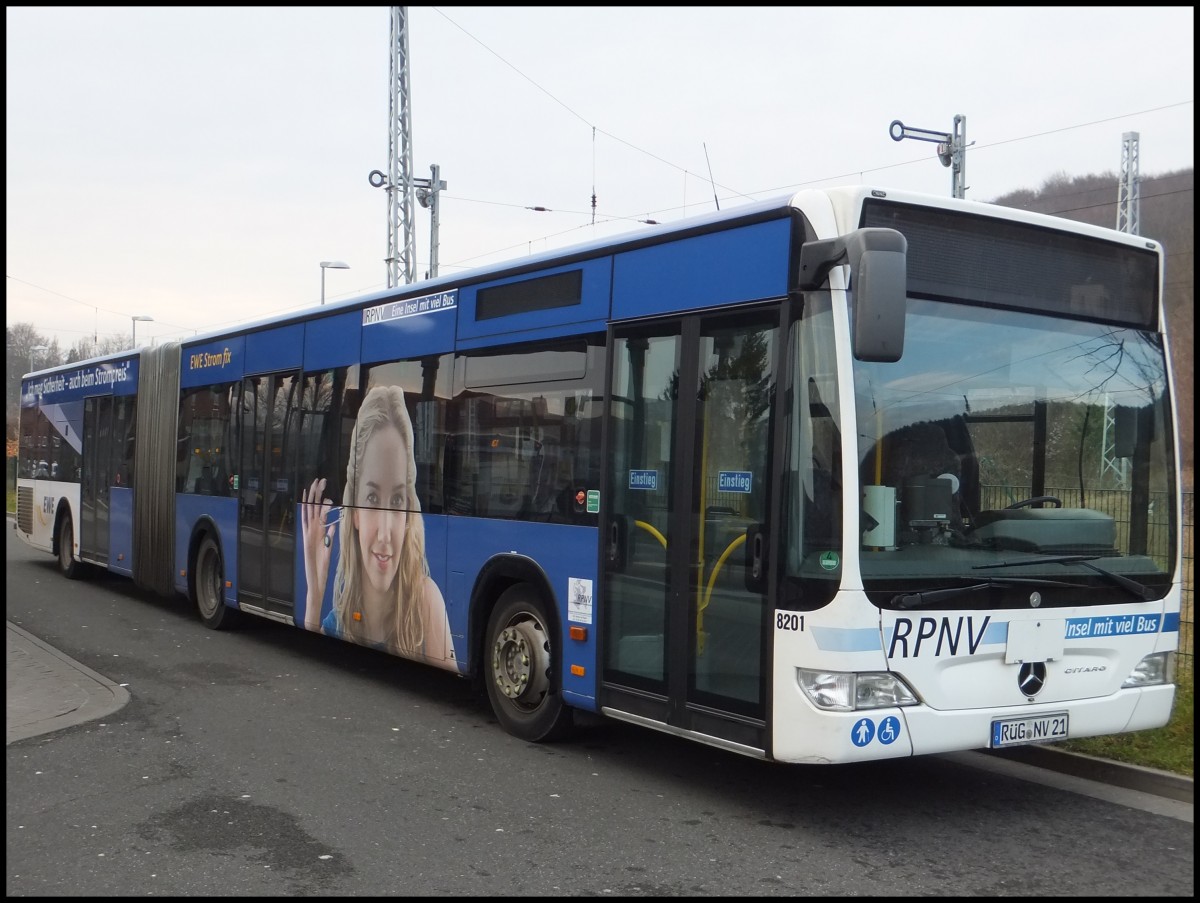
x=684, y=624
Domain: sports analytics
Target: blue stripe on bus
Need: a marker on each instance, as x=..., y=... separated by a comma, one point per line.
x=742, y=264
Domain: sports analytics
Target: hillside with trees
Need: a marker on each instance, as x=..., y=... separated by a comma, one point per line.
x=1167, y=214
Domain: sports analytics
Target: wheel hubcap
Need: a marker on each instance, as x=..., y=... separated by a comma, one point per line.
x=209, y=584
x=521, y=662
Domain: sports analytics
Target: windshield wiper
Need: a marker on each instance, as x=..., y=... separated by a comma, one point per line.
x=1130, y=586
x=932, y=596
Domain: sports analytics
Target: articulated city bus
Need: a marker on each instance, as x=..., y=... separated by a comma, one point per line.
x=848, y=475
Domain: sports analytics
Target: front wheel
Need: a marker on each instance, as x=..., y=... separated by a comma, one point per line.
x=67, y=565
x=522, y=668
x=208, y=587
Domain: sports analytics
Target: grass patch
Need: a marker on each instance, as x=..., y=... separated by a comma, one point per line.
x=1167, y=748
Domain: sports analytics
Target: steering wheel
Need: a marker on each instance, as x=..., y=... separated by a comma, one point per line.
x=1037, y=499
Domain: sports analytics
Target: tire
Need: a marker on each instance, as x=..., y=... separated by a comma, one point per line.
x=522, y=668
x=67, y=565
x=208, y=587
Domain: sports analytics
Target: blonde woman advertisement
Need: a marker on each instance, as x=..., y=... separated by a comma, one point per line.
x=383, y=595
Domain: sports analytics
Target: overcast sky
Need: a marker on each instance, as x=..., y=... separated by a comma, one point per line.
x=195, y=165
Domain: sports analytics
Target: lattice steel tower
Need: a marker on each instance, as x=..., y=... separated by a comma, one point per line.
x=1128, y=220
x=402, y=243
x=1128, y=192
x=399, y=182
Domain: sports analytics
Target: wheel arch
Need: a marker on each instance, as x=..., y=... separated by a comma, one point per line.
x=201, y=530
x=66, y=519
x=498, y=574
x=62, y=510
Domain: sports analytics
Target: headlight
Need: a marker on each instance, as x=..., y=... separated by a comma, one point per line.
x=1155, y=669
x=842, y=691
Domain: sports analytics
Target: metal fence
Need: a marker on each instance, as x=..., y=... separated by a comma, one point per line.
x=1116, y=503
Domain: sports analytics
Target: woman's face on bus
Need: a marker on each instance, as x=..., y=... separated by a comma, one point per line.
x=381, y=502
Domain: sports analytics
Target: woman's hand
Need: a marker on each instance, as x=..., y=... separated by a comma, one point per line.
x=318, y=546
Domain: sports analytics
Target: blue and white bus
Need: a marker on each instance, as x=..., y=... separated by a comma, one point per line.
x=848, y=475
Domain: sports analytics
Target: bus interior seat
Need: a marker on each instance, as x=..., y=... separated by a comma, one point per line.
x=205, y=484
x=919, y=453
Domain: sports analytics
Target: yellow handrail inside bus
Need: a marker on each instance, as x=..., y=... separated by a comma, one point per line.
x=712, y=579
x=649, y=528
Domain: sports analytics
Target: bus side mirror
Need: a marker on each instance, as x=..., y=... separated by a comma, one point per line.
x=878, y=260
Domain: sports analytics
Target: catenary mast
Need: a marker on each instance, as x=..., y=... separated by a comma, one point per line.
x=399, y=182
x=1129, y=221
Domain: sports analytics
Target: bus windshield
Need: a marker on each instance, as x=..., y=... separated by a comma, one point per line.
x=1022, y=458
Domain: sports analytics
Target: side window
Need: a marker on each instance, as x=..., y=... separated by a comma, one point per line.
x=813, y=511
x=202, y=463
x=27, y=465
x=124, y=439
x=524, y=432
x=329, y=402
x=426, y=385
x=328, y=405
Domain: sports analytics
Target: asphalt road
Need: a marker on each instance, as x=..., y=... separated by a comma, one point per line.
x=271, y=762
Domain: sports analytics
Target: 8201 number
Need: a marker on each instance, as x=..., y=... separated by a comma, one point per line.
x=788, y=620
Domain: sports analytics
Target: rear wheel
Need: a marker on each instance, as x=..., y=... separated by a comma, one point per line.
x=67, y=564
x=208, y=587
x=522, y=668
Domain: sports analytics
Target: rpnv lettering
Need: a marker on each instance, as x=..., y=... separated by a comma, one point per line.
x=937, y=636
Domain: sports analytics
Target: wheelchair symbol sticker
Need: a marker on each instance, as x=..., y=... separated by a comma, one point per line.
x=889, y=730
x=863, y=732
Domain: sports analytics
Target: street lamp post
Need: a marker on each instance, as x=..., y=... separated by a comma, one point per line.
x=135, y=320
x=36, y=350
x=330, y=265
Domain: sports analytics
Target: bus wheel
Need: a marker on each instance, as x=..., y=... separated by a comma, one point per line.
x=208, y=587
x=67, y=564
x=522, y=674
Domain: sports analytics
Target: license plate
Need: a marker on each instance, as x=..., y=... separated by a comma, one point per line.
x=1019, y=731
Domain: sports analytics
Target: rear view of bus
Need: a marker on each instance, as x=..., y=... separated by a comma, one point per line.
x=981, y=497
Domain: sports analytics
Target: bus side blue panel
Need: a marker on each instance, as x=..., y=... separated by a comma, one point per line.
x=332, y=341
x=719, y=268
x=120, y=530
x=593, y=306
x=117, y=377
x=275, y=349
x=399, y=336
x=211, y=362
x=566, y=554
x=189, y=510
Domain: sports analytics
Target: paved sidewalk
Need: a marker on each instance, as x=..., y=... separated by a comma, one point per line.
x=48, y=691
